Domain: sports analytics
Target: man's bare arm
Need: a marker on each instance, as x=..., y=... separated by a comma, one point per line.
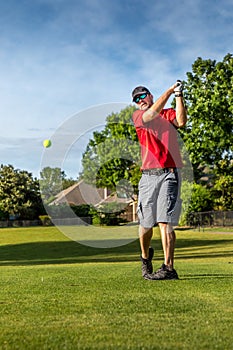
x=181, y=113
x=158, y=105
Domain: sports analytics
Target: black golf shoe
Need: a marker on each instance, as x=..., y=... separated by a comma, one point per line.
x=163, y=273
x=147, y=267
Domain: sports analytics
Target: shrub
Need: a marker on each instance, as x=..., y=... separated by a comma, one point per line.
x=108, y=214
x=45, y=220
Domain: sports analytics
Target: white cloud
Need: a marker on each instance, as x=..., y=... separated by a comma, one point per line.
x=196, y=29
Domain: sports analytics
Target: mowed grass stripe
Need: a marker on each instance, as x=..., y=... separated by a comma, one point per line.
x=96, y=299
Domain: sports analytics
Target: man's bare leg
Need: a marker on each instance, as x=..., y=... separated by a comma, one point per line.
x=145, y=235
x=168, y=238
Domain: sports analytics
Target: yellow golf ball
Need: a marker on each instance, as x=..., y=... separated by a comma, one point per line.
x=47, y=143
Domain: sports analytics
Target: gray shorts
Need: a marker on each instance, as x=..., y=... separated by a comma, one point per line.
x=159, y=199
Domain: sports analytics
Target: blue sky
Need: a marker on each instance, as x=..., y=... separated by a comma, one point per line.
x=60, y=57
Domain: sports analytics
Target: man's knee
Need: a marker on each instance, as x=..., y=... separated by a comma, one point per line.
x=166, y=227
x=144, y=231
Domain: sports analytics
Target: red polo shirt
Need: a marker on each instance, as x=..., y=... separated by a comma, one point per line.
x=158, y=140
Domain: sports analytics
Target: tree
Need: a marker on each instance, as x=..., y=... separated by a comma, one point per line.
x=52, y=181
x=186, y=191
x=208, y=134
x=201, y=199
x=223, y=191
x=66, y=183
x=112, y=157
x=19, y=193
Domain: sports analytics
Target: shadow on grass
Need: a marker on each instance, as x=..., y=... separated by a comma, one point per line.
x=208, y=276
x=37, y=253
x=68, y=252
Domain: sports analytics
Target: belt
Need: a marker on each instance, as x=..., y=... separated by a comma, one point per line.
x=159, y=171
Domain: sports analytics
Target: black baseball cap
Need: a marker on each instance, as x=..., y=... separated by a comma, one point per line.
x=139, y=90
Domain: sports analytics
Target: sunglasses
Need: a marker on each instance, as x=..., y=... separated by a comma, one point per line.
x=140, y=97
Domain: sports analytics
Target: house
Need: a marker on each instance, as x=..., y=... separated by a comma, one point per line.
x=130, y=207
x=83, y=193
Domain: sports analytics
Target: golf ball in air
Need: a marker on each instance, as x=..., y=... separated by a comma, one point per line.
x=47, y=143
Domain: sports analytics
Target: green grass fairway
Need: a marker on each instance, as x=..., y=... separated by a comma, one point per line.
x=56, y=294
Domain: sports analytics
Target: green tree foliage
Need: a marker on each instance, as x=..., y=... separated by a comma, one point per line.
x=201, y=199
x=208, y=134
x=52, y=181
x=222, y=188
x=66, y=183
x=186, y=192
x=81, y=210
x=195, y=198
x=108, y=214
x=223, y=191
x=19, y=194
x=113, y=155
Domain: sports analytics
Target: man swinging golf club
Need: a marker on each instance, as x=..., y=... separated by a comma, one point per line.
x=159, y=187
